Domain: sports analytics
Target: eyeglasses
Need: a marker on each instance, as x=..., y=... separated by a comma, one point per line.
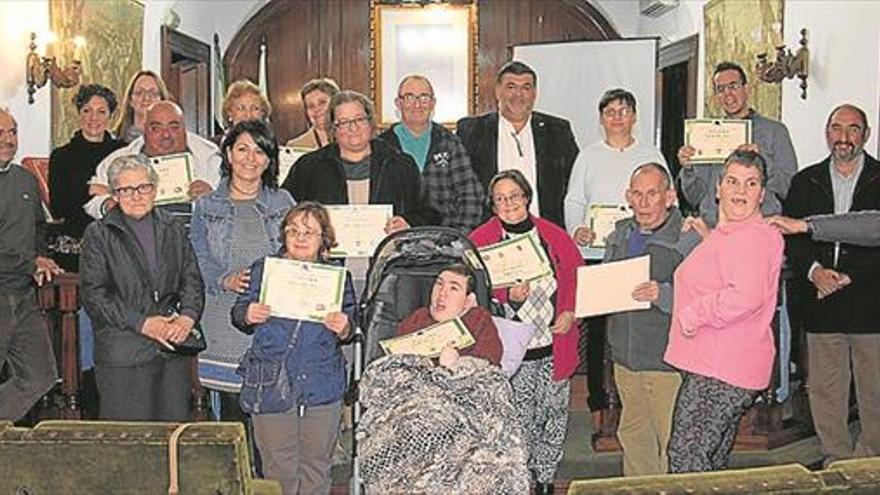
x=513, y=199
x=295, y=233
x=620, y=114
x=128, y=191
x=352, y=124
x=150, y=93
x=732, y=86
x=410, y=98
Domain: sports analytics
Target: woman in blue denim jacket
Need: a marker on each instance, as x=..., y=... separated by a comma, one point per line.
x=294, y=372
x=231, y=227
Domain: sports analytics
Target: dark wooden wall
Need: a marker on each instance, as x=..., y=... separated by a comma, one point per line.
x=312, y=38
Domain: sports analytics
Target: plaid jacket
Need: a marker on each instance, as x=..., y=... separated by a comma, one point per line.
x=451, y=185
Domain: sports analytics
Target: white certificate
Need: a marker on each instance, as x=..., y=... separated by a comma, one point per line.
x=607, y=287
x=300, y=290
x=714, y=140
x=431, y=340
x=603, y=217
x=287, y=156
x=175, y=174
x=515, y=261
x=359, y=228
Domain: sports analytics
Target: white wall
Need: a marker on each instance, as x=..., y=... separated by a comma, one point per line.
x=18, y=18
x=844, y=42
x=198, y=18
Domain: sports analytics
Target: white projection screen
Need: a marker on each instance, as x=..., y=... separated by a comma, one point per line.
x=573, y=75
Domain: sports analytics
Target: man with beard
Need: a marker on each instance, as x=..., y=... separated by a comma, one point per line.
x=25, y=348
x=838, y=284
x=540, y=146
x=769, y=137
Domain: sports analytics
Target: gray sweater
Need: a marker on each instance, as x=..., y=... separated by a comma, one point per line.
x=22, y=229
x=861, y=228
x=638, y=338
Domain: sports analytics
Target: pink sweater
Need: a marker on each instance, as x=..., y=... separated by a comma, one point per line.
x=565, y=257
x=725, y=297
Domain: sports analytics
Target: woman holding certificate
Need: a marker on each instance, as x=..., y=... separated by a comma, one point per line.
x=294, y=372
x=720, y=337
x=541, y=386
x=232, y=226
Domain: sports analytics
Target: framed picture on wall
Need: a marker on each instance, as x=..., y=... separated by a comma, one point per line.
x=435, y=41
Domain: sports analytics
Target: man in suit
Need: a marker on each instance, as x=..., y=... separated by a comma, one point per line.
x=838, y=284
x=540, y=146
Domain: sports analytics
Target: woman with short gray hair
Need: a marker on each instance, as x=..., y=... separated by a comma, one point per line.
x=143, y=291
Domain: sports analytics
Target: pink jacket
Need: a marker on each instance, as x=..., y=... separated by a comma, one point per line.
x=565, y=258
x=725, y=298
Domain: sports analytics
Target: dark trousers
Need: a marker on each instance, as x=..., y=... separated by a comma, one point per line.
x=704, y=424
x=598, y=396
x=26, y=351
x=158, y=390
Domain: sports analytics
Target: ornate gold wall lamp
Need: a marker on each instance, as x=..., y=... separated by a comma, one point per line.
x=787, y=65
x=41, y=69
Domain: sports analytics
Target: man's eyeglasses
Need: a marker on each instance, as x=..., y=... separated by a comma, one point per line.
x=295, y=233
x=513, y=199
x=128, y=191
x=732, y=86
x=410, y=98
x=352, y=124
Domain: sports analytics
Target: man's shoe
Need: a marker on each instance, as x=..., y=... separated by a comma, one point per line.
x=543, y=488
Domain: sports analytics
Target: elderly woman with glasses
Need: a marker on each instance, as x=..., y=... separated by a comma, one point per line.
x=143, y=291
x=541, y=386
x=294, y=372
x=232, y=226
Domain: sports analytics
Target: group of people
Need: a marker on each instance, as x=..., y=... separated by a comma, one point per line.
x=686, y=368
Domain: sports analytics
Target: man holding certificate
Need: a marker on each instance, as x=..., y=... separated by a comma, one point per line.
x=647, y=386
x=453, y=297
x=188, y=165
x=294, y=372
x=768, y=137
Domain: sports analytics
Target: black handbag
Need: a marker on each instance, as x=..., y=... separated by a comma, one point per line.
x=194, y=343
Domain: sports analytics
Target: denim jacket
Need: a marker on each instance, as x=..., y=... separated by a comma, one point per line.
x=291, y=363
x=211, y=229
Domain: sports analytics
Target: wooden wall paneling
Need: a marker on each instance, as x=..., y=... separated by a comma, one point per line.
x=311, y=38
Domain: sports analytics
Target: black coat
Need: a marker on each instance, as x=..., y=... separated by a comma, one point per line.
x=853, y=309
x=555, y=153
x=119, y=293
x=394, y=180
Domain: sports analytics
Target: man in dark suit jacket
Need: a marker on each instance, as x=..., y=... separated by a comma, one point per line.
x=541, y=146
x=837, y=286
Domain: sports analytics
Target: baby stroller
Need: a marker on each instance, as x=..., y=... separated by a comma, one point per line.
x=399, y=281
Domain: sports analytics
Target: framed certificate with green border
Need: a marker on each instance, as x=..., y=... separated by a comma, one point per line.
x=715, y=139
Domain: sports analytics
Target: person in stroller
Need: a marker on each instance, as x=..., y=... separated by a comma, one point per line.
x=294, y=372
x=453, y=297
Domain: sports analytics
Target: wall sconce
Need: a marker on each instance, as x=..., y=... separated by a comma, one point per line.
x=41, y=69
x=786, y=65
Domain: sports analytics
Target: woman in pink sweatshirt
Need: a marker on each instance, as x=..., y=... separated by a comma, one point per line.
x=720, y=337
